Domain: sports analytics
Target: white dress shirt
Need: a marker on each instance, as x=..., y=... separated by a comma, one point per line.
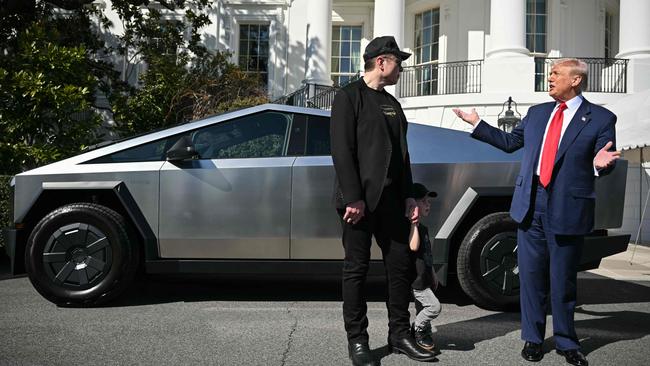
x=572, y=107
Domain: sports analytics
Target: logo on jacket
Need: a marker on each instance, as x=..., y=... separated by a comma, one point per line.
x=388, y=110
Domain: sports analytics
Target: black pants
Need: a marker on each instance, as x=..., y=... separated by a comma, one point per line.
x=390, y=228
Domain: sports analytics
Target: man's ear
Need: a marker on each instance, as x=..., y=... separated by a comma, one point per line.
x=577, y=79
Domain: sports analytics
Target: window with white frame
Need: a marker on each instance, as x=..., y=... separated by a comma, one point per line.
x=427, y=32
x=254, y=50
x=536, y=26
x=346, y=53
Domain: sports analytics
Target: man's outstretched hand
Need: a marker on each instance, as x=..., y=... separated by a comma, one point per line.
x=605, y=158
x=472, y=117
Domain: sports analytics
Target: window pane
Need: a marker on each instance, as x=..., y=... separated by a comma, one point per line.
x=254, y=31
x=264, y=48
x=263, y=64
x=418, y=37
x=260, y=135
x=355, y=65
x=345, y=65
x=427, y=35
x=336, y=48
x=335, y=64
x=356, y=49
x=540, y=7
x=336, y=33
x=243, y=32
x=427, y=19
x=153, y=151
x=252, y=48
x=243, y=62
x=243, y=48
x=318, y=136
x=436, y=16
x=345, y=33
x=356, y=33
x=530, y=42
x=264, y=32
x=540, y=43
x=540, y=24
x=345, y=49
x=426, y=54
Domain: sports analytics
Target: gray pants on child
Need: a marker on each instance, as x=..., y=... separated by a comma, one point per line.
x=428, y=310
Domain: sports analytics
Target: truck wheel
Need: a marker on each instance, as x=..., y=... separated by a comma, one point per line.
x=81, y=254
x=487, y=262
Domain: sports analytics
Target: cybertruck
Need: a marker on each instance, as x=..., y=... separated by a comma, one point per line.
x=250, y=192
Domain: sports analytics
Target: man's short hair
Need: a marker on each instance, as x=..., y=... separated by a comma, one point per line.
x=370, y=64
x=578, y=67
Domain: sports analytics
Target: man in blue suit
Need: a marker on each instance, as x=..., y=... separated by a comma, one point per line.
x=566, y=145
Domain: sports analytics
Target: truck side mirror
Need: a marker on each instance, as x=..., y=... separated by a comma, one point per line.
x=183, y=149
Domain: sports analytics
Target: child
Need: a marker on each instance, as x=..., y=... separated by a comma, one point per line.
x=427, y=305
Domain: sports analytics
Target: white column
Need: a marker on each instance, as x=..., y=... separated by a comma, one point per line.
x=507, y=29
x=634, y=42
x=508, y=67
x=389, y=21
x=319, y=42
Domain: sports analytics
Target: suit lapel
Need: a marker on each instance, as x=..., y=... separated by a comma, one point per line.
x=538, y=129
x=579, y=121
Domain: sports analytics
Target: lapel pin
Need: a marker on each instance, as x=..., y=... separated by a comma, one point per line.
x=584, y=118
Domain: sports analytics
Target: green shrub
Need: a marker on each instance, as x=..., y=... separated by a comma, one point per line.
x=5, y=215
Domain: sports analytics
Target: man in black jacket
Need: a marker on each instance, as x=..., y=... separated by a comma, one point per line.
x=373, y=197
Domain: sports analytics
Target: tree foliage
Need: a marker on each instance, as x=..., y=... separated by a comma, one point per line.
x=57, y=62
x=47, y=88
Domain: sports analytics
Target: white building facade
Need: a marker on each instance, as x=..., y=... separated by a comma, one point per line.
x=466, y=53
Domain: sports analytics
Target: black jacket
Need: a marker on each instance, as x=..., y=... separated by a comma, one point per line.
x=362, y=148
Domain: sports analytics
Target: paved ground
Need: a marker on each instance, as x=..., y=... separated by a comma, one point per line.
x=633, y=265
x=163, y=321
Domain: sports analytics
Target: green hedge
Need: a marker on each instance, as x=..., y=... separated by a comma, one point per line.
x=5, y=215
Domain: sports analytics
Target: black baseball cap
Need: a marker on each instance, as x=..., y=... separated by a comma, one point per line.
x=382, y=46
x=420, y=191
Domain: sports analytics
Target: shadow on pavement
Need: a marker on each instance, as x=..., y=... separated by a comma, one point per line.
x=158, y=289
x=610, y=327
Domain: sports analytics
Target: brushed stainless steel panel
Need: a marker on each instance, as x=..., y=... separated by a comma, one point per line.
x=140, y=178
x=315, y=228
x=230, y=208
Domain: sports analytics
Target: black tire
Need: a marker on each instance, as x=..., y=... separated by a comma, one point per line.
x=487, y=263
x=81, y=254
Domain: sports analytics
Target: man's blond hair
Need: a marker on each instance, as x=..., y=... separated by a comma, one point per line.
x=577, y=67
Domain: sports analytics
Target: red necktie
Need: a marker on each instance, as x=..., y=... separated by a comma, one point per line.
x=550, y=146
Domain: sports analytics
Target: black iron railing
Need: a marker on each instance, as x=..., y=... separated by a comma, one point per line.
x=460, y=77
x=606, y=75
x=314, y=95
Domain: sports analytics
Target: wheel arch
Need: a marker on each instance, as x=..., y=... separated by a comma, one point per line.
x=112, y=194
x=475, y=203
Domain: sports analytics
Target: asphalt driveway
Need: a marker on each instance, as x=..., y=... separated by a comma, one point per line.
x=235, y=321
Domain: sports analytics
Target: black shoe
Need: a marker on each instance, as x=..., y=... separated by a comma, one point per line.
x=532, y=352
x=360, y=354
x=424, y=339
x=408, y=347
x=574, y=357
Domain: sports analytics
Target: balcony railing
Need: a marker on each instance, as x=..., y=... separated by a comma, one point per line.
x=460, y=77
x=314, y=95
x=606, y=75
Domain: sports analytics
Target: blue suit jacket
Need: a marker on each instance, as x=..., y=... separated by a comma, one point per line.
x=572, y=196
